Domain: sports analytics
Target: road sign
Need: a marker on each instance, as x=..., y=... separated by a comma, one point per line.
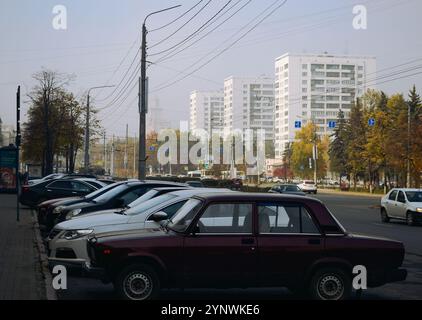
x=298, y=124
x=331, y=124
x=151, y=148
x=371, y=122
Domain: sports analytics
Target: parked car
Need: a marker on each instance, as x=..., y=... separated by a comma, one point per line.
x=402, y=204
x=237, y=184
x=118, y=197
x=48, y=177
x=55, y=176
x=308, y=186
x=33, y=195
x=67, y=241
x=244, y=240
x=287, y=189
x=48, y=210
x=195, y=184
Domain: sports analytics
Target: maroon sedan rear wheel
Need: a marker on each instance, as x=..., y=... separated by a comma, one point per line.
x=330, y=284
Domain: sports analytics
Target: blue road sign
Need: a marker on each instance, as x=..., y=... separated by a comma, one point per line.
x=371, y=122
x=298, y=124
x=151, y=148
x=331, y=124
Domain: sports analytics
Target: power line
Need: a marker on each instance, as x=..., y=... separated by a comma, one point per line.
x=178, y=18
x=228, y=47
x=183, y=25
x=123, y=78
x=118, y=67
x=175, y=52
x=197, y=31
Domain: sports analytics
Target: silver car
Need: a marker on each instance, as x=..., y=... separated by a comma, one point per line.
x=402, y=204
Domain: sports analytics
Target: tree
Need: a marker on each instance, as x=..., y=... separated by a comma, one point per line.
x=415, y=106
x=302, y=152
x=355, y=136
x=287, y=160
x=338, y=147
x=43, y=118
x=55, y=125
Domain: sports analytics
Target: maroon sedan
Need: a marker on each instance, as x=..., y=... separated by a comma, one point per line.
x=244, y=240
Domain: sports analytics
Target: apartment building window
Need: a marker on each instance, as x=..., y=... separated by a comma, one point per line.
x=315, y=105
x=333, y=105
x=304, y=74
x=348, y=67
x=333, y=98
x=360, y=68
x=333, y=74
x=304, y=90
x=316, y=66
x=333, y=66
x=304, y=66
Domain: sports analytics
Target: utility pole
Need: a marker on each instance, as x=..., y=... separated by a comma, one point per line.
x=143, y=98
x=134, y=158
x=408, y=184
x=87, y=134
x=126, y=152
x=112, y=158
x=105, y=152
x=18, y=143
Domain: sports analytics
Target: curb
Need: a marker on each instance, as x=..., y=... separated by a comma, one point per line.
x=43, y=259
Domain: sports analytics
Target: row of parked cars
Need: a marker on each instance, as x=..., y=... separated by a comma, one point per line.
x=143, y=236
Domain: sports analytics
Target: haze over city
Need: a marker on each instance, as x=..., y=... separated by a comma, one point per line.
x=100, y=34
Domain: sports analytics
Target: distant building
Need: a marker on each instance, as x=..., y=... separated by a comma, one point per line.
x=314, y=87
x=206, y=111
x=249, y=104
x=155, y=117
x=7, y=134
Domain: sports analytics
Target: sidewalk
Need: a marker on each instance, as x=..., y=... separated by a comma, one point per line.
x=21, y=277
x=349, y=193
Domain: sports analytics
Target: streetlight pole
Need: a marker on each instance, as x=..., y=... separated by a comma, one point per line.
x=143, y=98
x=408, y=147
x=86, y=151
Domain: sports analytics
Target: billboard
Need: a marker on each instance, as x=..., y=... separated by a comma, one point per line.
x=8, y=169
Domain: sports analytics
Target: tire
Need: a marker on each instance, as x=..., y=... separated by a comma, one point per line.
x=384, y=216
x=330, y=284
x=137, y=282
x=409, y=219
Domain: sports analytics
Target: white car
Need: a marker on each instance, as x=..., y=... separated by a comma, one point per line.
x=402, y=204
x=308, y=186
x=67, y=241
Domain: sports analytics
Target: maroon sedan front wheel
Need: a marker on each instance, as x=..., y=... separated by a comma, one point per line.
x=137, y=282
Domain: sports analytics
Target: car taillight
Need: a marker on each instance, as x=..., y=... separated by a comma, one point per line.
x=25, y=188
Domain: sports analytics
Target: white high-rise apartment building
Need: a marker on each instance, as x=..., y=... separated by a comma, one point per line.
x=312, y=87
x=249, y=104
x=206, y=111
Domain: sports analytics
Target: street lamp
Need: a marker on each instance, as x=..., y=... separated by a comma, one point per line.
x=86, y=155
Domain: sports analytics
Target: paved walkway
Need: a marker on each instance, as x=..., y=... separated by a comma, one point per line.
x=349, y=193
x=20, y=269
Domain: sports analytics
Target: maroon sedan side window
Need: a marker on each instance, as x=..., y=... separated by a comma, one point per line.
x=279, y=218
x=226, y=218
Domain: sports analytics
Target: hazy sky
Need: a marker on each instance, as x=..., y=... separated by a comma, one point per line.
x=100, y=33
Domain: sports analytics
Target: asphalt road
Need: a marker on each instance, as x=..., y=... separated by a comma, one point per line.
x=358, y=214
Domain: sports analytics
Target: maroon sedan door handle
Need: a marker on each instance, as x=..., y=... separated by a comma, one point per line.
x=248, y=241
